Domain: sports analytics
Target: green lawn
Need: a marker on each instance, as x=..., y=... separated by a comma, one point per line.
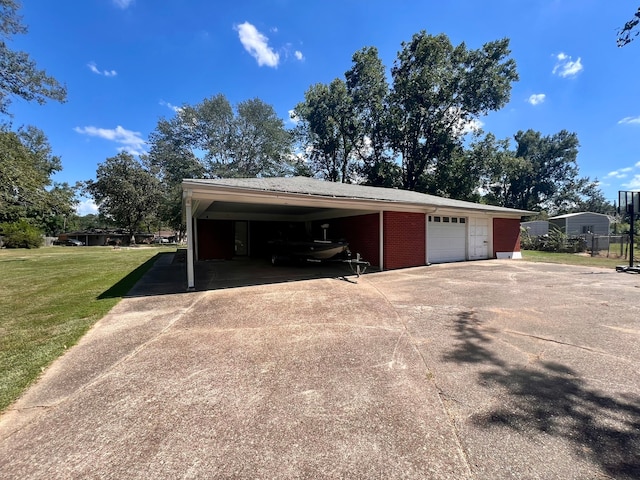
x=51, y=296
x=572, y=259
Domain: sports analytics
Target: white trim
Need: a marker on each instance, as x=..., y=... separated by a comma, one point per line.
x=237, y=195
x=190, y=243
x=196, y=244
x=381, y=233
x=509, y=255
x=426, y=238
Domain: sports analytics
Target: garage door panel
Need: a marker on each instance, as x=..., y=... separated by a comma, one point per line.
x=446, y=242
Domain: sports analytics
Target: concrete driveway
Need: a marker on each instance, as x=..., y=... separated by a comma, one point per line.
x=483, y=370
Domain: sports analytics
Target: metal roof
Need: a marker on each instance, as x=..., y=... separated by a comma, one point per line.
x=569, y=215
x=324, y=189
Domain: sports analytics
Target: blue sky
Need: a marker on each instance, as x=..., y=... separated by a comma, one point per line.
x=127, y=63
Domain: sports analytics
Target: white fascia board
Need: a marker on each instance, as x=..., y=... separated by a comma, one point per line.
x=303, y=200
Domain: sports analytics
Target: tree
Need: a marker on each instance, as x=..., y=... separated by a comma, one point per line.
x=19, y=75
x=438, y=90
x=125, y=191
x=252, y=142
x=210, y=140
x=21, y=234
x=540, y=174
x=628, y=32
x=26, y=188
x=326, y=129
x=368, y=90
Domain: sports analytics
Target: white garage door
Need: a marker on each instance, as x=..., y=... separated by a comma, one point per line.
x=446, y=239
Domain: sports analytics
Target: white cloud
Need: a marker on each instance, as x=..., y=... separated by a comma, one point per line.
x=629, y=120
x=122, y=3
x=536, y=98
x=129, y=140
x=107, y=73
x=619, y=174
x=293, y=118
x=298, y=54
x=257, y=45
x=472, y=126
x=633, y=184
x=86, y=206
x=566, y=67
x=170, y=106
x=462, y=126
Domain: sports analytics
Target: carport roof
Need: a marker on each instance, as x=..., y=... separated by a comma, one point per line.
x=323, y=190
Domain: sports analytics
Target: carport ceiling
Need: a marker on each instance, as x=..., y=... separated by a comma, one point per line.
x=273, y=212
x=248, y=208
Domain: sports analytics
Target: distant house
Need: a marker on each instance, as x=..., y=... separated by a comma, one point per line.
x=582, y=223
x=100, y=237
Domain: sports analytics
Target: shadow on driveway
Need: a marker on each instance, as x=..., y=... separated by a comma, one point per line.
x=167, y=274
x=552, y=400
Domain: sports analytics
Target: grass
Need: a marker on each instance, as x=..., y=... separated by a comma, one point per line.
x=572, y=259
x=50, y=298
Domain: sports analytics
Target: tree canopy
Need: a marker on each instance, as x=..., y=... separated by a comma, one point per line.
x=126, y=192
x=26, y=188
x=363, y=127
x=413, y=127
x=212, y=139
x=19, y=74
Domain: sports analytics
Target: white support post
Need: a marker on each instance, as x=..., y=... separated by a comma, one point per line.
x=190, y=244
x=426, y=236
x=381, y=222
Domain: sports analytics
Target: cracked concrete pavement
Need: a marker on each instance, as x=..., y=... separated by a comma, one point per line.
x=482, y=370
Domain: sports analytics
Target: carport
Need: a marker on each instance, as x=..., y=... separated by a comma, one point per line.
x=390, y=228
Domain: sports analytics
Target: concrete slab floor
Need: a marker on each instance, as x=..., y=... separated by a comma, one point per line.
x=482, y=370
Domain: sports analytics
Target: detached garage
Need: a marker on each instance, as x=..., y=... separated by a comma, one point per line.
x=390, y=228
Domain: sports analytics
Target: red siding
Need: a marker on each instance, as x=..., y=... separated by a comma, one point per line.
x=506, y=235
x=404, y=240
x=362, y=233
x=215, y=239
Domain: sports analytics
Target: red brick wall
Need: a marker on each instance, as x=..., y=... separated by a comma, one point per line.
x=215, y=239
x=362, y=233
x=506, y=235
x=404, y=240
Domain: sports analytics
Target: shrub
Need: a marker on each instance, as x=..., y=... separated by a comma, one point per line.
x=21, y=234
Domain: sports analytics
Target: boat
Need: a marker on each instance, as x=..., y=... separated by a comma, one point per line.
x=308, y=250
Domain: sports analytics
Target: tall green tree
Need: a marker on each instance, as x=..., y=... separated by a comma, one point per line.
x=250, y=141
x=19, y=74
x=368, y=90
x=540, y=174
x=327, y=130
x=210, y=140
x=26, y=188
x=171, y=159
x=438, y=90
x=125, y=192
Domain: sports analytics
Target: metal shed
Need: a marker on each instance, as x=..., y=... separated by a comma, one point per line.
x=582, y=223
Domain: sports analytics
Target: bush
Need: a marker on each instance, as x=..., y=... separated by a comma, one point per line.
x=554, y=241
x=21, y=234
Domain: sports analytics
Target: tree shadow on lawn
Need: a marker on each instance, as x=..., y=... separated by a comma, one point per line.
x=553, y=400
x=124, y=285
